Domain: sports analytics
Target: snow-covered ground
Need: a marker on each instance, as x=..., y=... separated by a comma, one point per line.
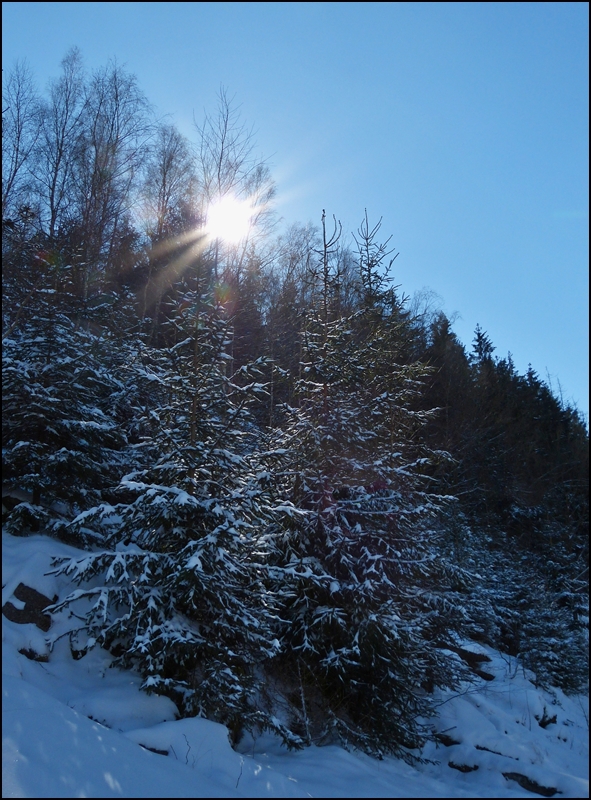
x=75, y=728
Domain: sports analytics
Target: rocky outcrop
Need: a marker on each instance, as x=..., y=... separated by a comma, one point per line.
x=33, y=610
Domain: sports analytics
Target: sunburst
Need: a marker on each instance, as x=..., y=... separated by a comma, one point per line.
x=229, y=219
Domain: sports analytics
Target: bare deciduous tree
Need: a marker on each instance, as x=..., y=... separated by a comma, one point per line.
x=169, y=182
x=110, y=154
x=20, y=131
x=61, y=128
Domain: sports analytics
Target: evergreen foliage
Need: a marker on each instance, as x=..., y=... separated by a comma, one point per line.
x=60, y=441
x=367, y=608
x=181, y=596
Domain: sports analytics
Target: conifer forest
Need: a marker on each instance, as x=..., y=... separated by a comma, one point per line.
x=297, y=490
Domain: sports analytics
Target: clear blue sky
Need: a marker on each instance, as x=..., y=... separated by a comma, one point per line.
x=463, y=125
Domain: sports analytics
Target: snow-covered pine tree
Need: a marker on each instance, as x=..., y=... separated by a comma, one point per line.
x=177, y=589
x=60, y=442
x=522, y=468
x=364, y=590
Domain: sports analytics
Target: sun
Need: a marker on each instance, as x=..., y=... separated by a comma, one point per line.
x=229, y=219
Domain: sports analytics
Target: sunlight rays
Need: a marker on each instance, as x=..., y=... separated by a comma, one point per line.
x=195, y=243
x=229, y=221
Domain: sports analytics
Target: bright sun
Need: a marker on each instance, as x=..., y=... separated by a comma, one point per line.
x=229, y=219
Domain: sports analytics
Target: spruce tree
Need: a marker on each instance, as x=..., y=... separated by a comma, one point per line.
x=178, y=581
x=366, y=605
x=61, y=443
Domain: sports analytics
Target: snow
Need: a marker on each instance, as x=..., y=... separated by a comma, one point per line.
x=77, y=728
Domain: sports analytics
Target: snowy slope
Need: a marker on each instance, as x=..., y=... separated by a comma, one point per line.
x=79, y=729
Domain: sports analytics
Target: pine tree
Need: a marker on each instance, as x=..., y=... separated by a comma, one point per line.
x=366, y=603
x=60, y=440
x=178, y=582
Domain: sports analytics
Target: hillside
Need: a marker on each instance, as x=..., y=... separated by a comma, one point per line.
x=75, y=728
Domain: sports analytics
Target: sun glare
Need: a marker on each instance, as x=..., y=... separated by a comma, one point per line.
x=229, y=219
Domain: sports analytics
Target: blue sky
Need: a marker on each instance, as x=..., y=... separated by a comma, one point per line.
x=463, y=125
